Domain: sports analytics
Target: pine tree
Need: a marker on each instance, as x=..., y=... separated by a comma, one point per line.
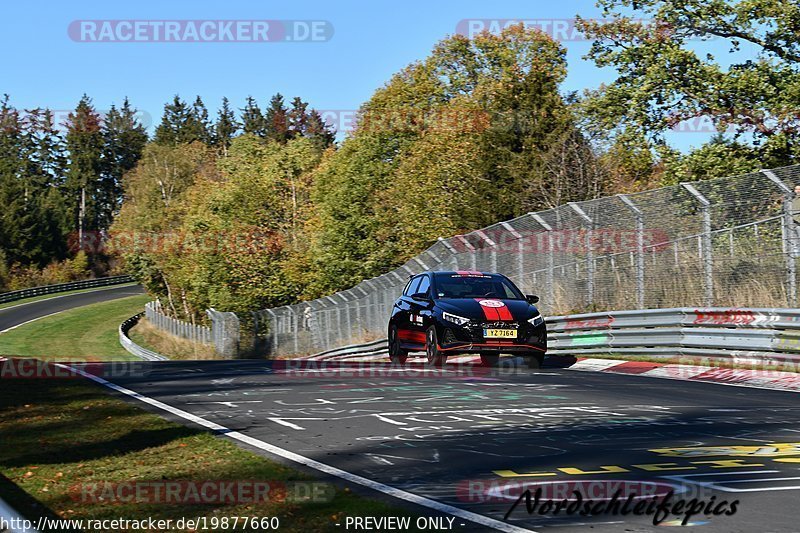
x=252, y=118
x=319, y=131
x=12, y=202
x=124, y=138
x=182, y=123
x=85, y=145
x=297, y=118
x=225, y=128
x=200, y=126
x=277, y=122
x=46, y=169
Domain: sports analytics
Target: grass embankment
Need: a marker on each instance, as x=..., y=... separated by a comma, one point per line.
x=58, y=436
x=148, y=336
x=59, y=294
x=84, y=333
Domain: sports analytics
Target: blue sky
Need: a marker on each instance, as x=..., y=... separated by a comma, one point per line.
x=44, y=67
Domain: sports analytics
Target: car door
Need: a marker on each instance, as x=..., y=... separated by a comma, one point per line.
x=402, y=314
x=420, y=309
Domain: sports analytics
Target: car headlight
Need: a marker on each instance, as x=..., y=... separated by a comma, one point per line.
x=455, y=319
x=536, y=321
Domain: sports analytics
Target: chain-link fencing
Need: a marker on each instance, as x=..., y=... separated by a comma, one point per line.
x=723, y=242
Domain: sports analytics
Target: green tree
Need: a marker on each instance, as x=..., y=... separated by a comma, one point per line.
x=252, y=118
x=225, y=127
x=84, y=141
x=465, y=136
x=124, y=139
x=276, y=120
x=666, y=75
x=182, y=123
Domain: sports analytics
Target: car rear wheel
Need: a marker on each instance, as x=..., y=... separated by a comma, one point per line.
x=435, y=356
x=490, y=359
x=396, y=354
x=534, y=360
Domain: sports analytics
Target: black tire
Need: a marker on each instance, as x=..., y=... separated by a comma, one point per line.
x=490, y=359
x=435, y=356
x=534, y=360
x=396, y=354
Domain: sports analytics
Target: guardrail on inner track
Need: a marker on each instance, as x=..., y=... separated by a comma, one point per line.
x=132, y=347
x=63, y=287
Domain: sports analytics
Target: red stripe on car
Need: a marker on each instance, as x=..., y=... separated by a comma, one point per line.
x=494, y=310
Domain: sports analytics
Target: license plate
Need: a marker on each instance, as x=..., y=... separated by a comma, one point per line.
x=500, y=333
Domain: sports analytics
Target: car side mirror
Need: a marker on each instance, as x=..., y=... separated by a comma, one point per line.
x=532, y=298
x=422, y=296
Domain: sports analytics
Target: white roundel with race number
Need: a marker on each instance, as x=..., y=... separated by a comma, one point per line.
x=491, y=303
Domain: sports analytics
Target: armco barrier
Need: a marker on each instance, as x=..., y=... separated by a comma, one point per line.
x=63, y=287
x=131, y=346
x=715, y=332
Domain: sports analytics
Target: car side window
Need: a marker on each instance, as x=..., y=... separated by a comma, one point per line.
x=412, y=286
x=424, y=286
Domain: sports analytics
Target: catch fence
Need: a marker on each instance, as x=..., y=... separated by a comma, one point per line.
x=723, y=242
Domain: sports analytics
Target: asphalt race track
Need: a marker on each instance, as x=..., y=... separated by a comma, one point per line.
x=471, y=439
x=19, y=314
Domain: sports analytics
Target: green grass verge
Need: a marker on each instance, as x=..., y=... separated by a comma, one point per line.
x=65, y=293
x=89, y=332
x=59, y=436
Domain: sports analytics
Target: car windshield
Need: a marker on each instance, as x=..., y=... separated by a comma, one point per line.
x=475, y=286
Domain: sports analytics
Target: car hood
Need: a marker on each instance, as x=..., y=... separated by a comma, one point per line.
x=488, y=309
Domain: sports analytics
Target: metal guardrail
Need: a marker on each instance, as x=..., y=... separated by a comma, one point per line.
x=179, y=328
x=63, y=287
x=756, y=333
x=716, y=332
x=131, y=346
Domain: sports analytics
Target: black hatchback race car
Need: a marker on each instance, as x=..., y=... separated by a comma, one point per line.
x=448, y=313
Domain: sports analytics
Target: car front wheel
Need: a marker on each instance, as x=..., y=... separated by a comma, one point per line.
x=435, y=356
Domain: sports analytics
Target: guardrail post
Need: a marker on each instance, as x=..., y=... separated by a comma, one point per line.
x=707, y=252
x=551, y=267
x=639, y=216
x=590, y=266
x=789, y=237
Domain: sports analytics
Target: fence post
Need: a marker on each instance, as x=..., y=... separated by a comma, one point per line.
x=551, y=267
x=789, y=237
x=375, y=307
x=707, y=252
x=273, y=331
x=590, y=266
x=639, y=216
x=452, y=250
x=520, y=250
x=493, y=264
x=468, y=245
x=225, y=332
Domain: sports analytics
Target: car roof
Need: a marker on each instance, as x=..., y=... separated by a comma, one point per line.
x=462, y=273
